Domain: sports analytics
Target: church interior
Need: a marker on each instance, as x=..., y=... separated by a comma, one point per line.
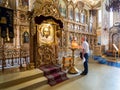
x=40, y=44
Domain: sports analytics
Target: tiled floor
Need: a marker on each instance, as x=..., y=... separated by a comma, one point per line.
x=100, y=77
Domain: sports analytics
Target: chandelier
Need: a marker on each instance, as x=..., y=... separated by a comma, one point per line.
x=112, y=5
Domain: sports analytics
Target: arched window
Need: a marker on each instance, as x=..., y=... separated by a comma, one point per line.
x=99, y=18
x=111, y=18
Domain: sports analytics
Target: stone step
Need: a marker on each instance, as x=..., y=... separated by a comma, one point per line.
x=13, y=69
x=8, y=70
x=8, y=80
x=29, y=85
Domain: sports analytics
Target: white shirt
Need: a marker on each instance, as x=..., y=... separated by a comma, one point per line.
x=85, y=46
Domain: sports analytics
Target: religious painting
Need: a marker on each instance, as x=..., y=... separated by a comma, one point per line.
x=22, y=17
x=70, y=12
x=25, y=37
x=77, y=14
x=82, y=18
x=45, y=34
x=64, y=39
x=70, y=26
x=90, y=27
x=70, y=37
x=62, y=7
x=25, y=2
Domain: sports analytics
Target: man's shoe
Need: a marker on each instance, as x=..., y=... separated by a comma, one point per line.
x=83, y=73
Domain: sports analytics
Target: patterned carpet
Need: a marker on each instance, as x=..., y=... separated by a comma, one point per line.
x=102, y=60
x=54, y=74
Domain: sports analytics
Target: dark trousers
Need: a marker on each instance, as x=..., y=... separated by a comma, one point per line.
x=86, y=63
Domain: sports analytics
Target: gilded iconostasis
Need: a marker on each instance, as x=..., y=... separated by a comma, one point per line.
x=75, y=18
x=31, y=31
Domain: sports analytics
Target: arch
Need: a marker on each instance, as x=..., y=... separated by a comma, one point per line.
x=46, y=8
x=82, y=16
x=114, y=36
x=115, y=40
x=77, y=14
x=70, y=12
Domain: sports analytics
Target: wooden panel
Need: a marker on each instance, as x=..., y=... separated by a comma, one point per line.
x=66, y=62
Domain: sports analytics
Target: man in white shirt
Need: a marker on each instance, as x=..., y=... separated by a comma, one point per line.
x=84, y=54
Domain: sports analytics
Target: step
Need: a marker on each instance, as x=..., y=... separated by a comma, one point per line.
x=56, y=78
x=29, y=85
x=7, y=80
x=11, y=69
x=56, y=75
x=51, y=69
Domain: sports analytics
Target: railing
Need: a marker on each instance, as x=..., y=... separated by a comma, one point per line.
x=10, y=58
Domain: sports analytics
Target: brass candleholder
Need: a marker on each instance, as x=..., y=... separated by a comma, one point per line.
x=73, y=69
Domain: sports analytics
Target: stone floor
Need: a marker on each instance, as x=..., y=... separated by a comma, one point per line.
x=100, y=77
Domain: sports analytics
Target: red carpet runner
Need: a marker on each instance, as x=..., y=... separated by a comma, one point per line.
x=54, y=74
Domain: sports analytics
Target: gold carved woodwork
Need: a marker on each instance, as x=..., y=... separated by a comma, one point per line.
x=46, y=54
x=67, y=62
x=47, y=33
x=47, y=41
x=46, y=8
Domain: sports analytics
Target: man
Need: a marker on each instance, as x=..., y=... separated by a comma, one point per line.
x=84, y=54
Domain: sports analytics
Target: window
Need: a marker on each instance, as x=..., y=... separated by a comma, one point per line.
x=99, y=18
x=111, y=19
